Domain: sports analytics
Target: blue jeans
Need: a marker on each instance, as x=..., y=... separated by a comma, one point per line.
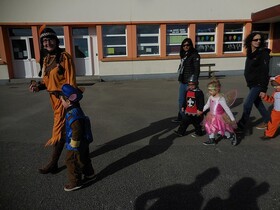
x=182, y=94
x=253, y=98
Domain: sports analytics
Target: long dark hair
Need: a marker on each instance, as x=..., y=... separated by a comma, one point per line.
x=248, y=40
x=182, y=51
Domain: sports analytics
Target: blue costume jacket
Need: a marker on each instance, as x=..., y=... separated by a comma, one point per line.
x=73, y=113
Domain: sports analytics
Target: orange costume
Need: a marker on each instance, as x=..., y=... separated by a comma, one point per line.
x=57, y=69
x=274, y=122
x=53, y=79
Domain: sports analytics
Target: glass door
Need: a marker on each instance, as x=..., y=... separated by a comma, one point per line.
x=82, y=55
x=24, y=63
x=82, y=51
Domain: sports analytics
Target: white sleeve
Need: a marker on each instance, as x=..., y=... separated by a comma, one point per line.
x=207, y=105
x=223, y=103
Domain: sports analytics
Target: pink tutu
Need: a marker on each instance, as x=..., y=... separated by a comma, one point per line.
x=218, y=123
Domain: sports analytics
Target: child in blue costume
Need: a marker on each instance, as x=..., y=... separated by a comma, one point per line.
x=77, y=157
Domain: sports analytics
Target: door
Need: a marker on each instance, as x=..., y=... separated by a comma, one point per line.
x=24, y=63
x=82, y=53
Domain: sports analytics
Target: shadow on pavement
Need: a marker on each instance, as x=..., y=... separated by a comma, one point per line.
x=156, y=146
x=150, y=130
x=243, y=195
x=177, y=196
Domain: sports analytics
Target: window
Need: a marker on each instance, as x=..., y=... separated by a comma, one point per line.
x=22, y=43
x=20, y=32
x=175, y=34
x=262, y=28
x=80, y=40
x=60, y=35
x=205, y=38
x=79, y=31
x=114, y=40
x=233, y=37
x=147, y=40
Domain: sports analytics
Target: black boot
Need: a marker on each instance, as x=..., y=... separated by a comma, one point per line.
x=52, y=166
x=233, y=139
x=211, y=141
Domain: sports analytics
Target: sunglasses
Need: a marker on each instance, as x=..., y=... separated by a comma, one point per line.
x=255, y=40
x=186, y=45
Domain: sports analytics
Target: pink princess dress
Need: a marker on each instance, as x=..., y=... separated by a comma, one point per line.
x=220, y=118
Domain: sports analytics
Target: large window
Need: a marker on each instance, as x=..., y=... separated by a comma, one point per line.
x=233, y=37
x=60, y=35
x=205, y=38
x=20, y=32
x=175, y=34
x=22, y=43
x=80, y=38
x=114, y=40
x=147, y=40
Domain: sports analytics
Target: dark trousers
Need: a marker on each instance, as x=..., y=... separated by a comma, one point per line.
x=78, y=163
x=191, y=119
x=253, y=99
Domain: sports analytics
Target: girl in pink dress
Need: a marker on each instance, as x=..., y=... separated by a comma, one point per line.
x=219, y=121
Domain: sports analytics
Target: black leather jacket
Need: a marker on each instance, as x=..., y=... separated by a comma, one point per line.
x=191, y=65
x=257, y=68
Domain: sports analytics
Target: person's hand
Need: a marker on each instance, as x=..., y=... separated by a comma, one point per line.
x=262, y=95
x=199, y=112
x=74, y=144
x=33, y=87
x=183, y=110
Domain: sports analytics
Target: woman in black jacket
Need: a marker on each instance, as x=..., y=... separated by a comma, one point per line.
x=190, y=65
x=257, y=77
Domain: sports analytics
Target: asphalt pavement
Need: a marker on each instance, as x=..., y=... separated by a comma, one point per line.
x=140, y=162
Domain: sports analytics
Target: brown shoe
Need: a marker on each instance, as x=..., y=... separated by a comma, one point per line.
x=261, y=126
x=71, y=187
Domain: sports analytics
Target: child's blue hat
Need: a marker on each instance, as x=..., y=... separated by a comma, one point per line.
x=73, y=94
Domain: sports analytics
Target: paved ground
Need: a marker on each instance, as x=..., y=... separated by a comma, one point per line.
x=140, y=162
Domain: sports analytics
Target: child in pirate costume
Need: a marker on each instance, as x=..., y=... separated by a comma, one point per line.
x=77, y=143
x=274, y=122
x=58, y=69
x=192, y=108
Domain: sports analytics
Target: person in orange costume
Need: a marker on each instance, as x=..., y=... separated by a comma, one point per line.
x=58, y=69
x=273, y=124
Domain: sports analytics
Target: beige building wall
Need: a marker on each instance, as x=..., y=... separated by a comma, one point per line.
x=166, y=66
x=128, y=10
x=110, y=11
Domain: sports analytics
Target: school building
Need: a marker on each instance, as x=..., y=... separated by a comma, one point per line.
x=133, y=38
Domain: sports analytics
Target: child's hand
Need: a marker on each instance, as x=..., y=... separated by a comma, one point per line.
x=74, y=144
x=33, y=87
x=199, y=112
x=262, y=95
x=183, y=110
